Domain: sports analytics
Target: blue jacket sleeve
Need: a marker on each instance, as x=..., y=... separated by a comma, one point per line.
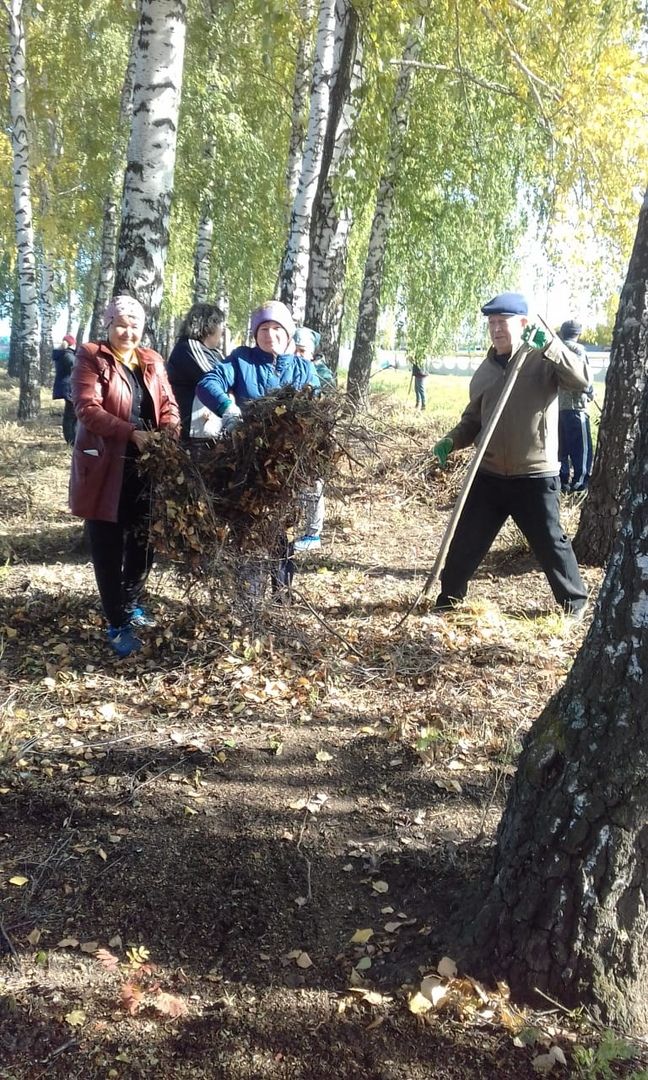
x=312, y=378
x=212, y=388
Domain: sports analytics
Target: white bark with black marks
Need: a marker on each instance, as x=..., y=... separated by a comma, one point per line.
x=300, y=98
x=107, y=258
x=332, y=222
x=148, y=182
x=29, y=399
x=294, y=271
x=368, y=309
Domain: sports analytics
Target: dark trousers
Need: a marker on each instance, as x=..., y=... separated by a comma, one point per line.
x=121, y=553
x=574, y=449
x=69, y=423
x=419, y=392
x=533, y=503
x=280, y=563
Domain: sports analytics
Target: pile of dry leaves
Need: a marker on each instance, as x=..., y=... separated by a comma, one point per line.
x=243, y=491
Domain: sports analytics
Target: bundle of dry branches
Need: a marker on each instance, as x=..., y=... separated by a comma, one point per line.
x=243, y=491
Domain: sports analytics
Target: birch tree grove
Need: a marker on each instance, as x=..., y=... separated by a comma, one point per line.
x=331, y=224
x=626, y=379
x=363, y=346
x=29, y=322
x=148, y=183
x=294, y=271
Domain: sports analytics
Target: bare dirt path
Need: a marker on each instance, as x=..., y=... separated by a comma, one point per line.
x=243, y=798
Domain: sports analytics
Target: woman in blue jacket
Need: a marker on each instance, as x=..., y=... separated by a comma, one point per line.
x=251, y=372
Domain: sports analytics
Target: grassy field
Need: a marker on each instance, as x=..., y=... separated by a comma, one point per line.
x=288, y=811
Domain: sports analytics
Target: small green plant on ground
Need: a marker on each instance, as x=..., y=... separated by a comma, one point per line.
x=594, y=1063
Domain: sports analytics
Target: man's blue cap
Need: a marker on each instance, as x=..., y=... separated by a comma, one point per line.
x=507, y=303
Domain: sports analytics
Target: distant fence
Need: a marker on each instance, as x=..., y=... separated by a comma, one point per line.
x=462, y=363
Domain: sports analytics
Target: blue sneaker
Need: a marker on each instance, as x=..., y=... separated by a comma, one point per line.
x=140, y=617
x=307, y=543
x=123, y=641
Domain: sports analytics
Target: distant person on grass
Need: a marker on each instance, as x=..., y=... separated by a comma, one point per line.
x=419, y=375
x=251, y=372
x=197, y=351
x=121, y=394
x=574, y=433
x=518, y=476
x=63, y=358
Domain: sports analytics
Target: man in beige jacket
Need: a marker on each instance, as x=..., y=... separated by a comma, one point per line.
x=518, y=476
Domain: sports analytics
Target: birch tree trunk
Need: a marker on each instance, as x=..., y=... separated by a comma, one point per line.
x=202, y=261
x=624, y=384
x=29, y=398
x=294, y=270
x=47, y=322
x=107, y=258
x=148, y=183
x=567, y=911
x=300, y=97
x=331, y=224
x=15, y=335
x=205, y=235
x=365, y=336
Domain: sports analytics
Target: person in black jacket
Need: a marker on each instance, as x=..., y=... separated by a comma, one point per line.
x=63, y=358
x=197, y=351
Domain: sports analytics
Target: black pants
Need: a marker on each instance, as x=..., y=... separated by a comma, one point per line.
x=69, y=423
x=121, y=553
x=533, y=503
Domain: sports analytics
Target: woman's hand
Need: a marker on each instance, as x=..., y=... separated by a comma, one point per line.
x=141, y=439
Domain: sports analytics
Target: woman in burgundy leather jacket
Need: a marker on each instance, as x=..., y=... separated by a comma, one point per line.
x=121, y=394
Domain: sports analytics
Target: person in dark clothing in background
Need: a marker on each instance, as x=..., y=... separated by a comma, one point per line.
x=419, y=376
x=574, y=433
x=197, y=351
x=63, y=358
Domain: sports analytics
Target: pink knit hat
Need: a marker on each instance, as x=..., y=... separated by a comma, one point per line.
x=125, y=305
x=273, y=311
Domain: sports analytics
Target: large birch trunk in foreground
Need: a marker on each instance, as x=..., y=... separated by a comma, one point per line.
x=148, y=183
x=29, y=399
x=331, y=225
x=365, y=336
x=294, y=270
x=108, y=254
x=567, y=911
x=624, y=384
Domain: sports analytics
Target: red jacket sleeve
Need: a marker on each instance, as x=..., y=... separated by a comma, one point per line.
x=93, y=392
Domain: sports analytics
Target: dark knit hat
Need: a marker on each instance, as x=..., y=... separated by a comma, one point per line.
x=570, y=329
x=507, y=303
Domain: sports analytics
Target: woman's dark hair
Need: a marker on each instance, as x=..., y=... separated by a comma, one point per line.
x=202, y=320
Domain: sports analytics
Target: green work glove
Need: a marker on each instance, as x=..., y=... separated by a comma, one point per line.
x=442, y=450
x=537, y=337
